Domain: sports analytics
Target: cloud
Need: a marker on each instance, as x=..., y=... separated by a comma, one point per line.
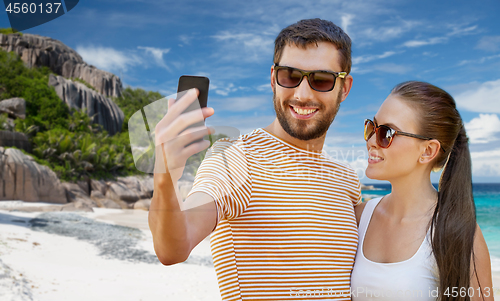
x=460, y=30
x=107, y=58
x=346, y=21
x=157, y=54
x=489, y=43
x=264, y=87
x=369, y=58
x=387, y=68
x=185, y=39
x=385, y=33
x=483, y=129
x=243, y=122
x=245, y=46
x=456, y=30
x=486, y=163
x=479, y=61
x=431, y=41
x=226, y=90
x=243, y=104
x=481, y=98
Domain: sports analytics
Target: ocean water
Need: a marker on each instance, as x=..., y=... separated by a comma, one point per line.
x=487, y=199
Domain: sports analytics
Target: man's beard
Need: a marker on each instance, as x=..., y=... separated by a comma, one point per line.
x=297, y=128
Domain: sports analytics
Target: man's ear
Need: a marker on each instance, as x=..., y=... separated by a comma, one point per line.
x=272, y=77
x=431, y=151
x=346, y=87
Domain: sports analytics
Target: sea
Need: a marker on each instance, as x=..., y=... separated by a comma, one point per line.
x=487, y=199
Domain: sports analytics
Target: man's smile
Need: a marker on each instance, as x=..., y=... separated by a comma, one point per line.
x=303, y=112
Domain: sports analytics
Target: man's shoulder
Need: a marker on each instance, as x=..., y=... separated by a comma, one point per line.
x=234, y=143
x=337, y=163
x=240, y=140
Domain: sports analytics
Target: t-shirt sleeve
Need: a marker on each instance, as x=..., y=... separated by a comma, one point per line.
x=357, y=197
x=224, y=175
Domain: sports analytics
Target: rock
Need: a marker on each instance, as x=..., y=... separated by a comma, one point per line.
x=104, y=82
x=107, y=203
x=120, y=192
x=85, y=186
x=131, y=182
x=147, y=185
x=19, y=140
x=96, y=194
x=15, y=107
x=78, y=197
x=142, y=186
x=98, y=185
x=21, y=178
x=37, y=51
x=78, y=96
x=78, y=205
x=73, y=191
x=104, y=202
x=143, y=204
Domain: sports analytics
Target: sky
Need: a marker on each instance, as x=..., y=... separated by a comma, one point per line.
x=150, y=44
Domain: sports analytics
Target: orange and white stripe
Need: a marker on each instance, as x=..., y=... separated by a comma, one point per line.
x=286, y=226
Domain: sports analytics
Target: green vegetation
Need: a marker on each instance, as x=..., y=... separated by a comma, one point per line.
x=9, y=31
x=133, y=100
x=68, y=141
x=44, y=109
x=3, y=121
x=76, y=79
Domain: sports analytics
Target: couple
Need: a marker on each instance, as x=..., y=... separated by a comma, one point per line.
x=284, y=217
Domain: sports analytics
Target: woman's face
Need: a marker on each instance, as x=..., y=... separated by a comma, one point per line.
x=401, y=158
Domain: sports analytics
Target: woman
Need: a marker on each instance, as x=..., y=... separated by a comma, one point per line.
x=417, y=243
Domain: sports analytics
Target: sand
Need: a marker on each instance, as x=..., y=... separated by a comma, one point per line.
x=102, y=255
x=36, y=265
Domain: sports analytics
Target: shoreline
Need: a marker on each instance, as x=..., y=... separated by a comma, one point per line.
x=101, y=255
x=39, y=264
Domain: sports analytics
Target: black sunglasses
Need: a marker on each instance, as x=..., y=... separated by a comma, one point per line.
x=385, y=134
x=321, y=81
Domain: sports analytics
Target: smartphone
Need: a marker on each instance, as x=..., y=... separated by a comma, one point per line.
x=201, y=83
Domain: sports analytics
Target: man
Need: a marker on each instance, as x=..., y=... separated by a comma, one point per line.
x=280, y=210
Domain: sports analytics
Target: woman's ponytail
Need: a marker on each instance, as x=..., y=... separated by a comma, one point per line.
x=453, y=223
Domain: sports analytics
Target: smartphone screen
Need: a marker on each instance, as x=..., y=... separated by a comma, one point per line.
x=187, y=82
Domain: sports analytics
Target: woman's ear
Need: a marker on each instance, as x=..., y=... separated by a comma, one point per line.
x=431, y=151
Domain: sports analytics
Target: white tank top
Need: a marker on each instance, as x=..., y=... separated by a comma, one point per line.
x=412, y=279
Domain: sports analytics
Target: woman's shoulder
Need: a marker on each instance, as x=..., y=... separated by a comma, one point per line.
x=358, y=210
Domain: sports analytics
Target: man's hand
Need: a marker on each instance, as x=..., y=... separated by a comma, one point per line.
x=177, y=230
x=171, y=135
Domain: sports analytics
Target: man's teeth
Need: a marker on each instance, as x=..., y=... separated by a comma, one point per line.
x=303, y=112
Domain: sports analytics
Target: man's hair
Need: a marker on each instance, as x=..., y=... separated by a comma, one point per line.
x=313, y=31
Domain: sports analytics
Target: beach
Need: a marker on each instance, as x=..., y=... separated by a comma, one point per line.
x=113, y=261
x=102, y=255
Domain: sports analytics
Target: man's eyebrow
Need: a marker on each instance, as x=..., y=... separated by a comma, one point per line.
x=391, y=125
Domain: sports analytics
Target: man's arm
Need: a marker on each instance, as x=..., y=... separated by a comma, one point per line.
x=177, y=232
x=176, y=229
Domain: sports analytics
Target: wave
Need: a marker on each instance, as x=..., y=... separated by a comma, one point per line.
x=495, y=263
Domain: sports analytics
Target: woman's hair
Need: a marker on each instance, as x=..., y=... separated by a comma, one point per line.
x=453, y=223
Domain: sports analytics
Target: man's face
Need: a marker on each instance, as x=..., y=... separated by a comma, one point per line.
x=293, y=105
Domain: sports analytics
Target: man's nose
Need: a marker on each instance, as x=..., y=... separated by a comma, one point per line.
x=304, y=90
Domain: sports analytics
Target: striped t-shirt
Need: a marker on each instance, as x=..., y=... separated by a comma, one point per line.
x=286, y=228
